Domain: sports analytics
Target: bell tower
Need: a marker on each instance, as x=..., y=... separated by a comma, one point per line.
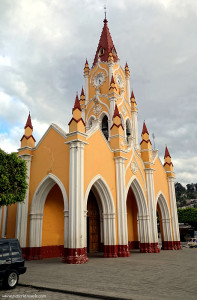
x=107, y=84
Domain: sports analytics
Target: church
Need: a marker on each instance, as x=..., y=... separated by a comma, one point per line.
x=96, y=188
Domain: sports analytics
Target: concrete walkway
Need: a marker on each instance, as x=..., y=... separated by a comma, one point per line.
x=167, y=275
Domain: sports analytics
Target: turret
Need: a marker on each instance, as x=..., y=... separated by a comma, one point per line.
x=27, y=139
x=86, y=74
x=146, y=147
x=168, y=165
x=117, y=131
x=77, y=123
x=112, y=98
x=134, y=112
x=82, y=104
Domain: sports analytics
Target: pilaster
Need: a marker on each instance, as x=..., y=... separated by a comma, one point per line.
x=175, y=224
x=77, y=243
x=121, y=207
x=152, y=209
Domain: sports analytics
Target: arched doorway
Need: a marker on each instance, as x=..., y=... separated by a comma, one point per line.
x=99, y=201
x=93, y=225
x=53, y=224
x=164, y=220
x=132, y=213
x=49, y=188
x=143, y=221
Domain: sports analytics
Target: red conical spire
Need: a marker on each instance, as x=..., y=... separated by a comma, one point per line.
x=28, y=123
x=144, y=130
x=132, y=95
x=167, y=153
x=77, y=103
x=106, y=44
x=112, y=79
x=116, y=112
x=82, y=92
x=126, y=66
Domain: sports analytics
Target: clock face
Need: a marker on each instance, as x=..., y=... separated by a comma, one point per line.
x=99, y=79
x=119, y=80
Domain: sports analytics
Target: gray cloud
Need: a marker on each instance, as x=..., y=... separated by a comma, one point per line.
x=44, y=45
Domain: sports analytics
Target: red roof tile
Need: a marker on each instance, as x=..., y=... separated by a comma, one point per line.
x=144, y=130
x=167, y=153
x=28, y=123
x=132, y=95
x=77, y=103
x=116, y=112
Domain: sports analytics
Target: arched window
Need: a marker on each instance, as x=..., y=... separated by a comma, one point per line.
x=105, y=127
x=91, y=119
x=128, y=129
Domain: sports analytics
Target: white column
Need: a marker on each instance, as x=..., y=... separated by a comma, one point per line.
x=112, y=101
x=151, y=205
x=22, y=208
x=135, y=129
x=128, y=89
x=166, y=226
x=35, y=232
x=86, y=76
x=144, y=229
x=110, y=71
x=174, y=215
x=121, y=201
x=76, y=193
x=5, y=218
x=66, y=221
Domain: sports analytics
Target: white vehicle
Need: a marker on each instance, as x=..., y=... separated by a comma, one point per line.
x=192, y=243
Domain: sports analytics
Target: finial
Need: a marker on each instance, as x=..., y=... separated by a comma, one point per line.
x=105, y=11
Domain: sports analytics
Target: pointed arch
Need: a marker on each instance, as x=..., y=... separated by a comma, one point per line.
x=139, y=196
x=106, y=208
x=37, y=208
x=99, y=183
x=165, y=218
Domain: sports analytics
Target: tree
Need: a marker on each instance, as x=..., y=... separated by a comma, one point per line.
x=188, y=215
x=13, y=183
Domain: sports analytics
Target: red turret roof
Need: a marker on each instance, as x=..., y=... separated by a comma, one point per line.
x=126, y=66
x=28, y=123
x=106, y=43
x=86, y=63
x=82, y=92
x=132, y=95
x=144, y=130
x=116, y=112
x=112, y=79
x=167, y=153
x=77, y=103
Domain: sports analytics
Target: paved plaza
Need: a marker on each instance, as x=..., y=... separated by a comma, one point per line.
x=168, y=275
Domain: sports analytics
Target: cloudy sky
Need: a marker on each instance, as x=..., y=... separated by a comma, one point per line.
x=43, y=48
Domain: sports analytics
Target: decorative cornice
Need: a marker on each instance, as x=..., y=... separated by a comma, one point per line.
x=28, y=137
x=77, y=121
x=145, y=141
x=120, y=125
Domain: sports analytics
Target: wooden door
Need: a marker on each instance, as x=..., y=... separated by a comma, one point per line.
x=93, y=224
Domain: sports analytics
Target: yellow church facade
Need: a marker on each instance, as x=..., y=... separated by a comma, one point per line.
x=95, y=188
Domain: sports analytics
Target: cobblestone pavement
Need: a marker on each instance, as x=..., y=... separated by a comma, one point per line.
x=165, y=275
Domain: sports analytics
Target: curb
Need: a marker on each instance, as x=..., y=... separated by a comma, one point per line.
x=82, y=294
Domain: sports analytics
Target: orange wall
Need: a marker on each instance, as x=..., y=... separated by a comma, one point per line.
x=132, y=217
x=52, y=156
x=53, y=219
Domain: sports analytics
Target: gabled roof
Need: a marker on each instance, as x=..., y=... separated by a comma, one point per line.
x=106, y=43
